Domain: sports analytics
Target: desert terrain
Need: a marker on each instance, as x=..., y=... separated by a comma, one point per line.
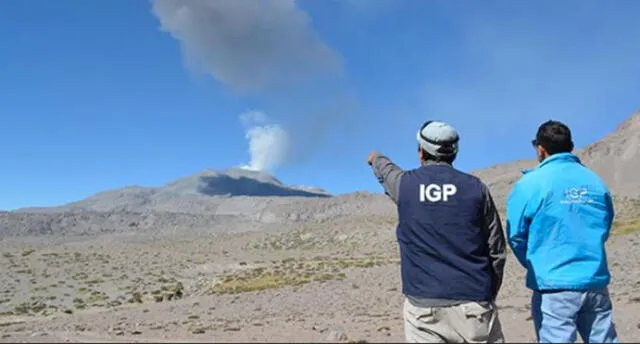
x=237, y=256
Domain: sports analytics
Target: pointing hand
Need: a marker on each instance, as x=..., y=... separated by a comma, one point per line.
x=371, y=156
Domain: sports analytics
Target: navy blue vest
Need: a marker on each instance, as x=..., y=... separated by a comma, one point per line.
x=443, y=249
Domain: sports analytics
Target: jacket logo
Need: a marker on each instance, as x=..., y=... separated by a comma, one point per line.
x=437, y=193
x=577, y=195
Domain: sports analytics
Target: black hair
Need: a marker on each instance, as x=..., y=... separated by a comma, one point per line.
x=554, y=137
x=445, y=148
x=426, y=156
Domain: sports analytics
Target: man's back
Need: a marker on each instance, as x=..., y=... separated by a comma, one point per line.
x=570, y=217
x=442, y=235
x=452, y=247
x=558, y=219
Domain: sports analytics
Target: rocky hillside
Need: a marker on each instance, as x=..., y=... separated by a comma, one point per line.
x=242, y=200
x=210, y=201
x=198, y=193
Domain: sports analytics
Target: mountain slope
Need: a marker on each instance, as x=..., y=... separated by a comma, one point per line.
x=196, y=193
x=616, y=158
x=237, y=199
x=211, y=201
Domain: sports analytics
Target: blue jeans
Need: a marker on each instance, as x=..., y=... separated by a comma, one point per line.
x=559, y=315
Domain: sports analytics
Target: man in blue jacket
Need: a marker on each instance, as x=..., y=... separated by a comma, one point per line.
x=558, y=219
x=452, y=247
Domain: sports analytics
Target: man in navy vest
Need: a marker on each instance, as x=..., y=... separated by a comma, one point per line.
x=452, y=247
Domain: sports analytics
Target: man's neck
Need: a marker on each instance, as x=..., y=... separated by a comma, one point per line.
x=434, y=162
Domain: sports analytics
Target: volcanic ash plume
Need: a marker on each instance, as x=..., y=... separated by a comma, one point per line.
x=266, y=49
x=269, y=144
x=250, y=46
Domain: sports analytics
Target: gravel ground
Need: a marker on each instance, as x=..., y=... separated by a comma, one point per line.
x=227, y=288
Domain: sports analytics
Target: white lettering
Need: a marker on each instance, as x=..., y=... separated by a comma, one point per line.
x=437, y=193
x=449, y=190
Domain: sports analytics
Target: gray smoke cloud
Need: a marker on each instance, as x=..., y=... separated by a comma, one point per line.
x=248, y=45
x=265, y=48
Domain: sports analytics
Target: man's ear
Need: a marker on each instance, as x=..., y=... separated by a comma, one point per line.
x=542, y=153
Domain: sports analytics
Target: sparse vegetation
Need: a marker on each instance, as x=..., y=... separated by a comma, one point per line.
x=33, y=308
x=96, y=297
x=136, y=297
x=290, y=272
x=94, y=281
x=626, y=227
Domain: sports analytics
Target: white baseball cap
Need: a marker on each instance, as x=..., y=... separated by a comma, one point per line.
x=438, y=139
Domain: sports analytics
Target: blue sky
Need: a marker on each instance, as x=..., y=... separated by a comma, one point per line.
x=94, y=95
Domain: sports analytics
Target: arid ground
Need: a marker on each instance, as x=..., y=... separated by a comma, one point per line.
x=125, y=287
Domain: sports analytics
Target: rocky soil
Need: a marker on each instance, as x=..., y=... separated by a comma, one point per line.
x=314, y=284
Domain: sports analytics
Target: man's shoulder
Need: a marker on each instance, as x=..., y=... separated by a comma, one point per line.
x=438, y=168
x=574, y=172
x=472, y=182
x=471, y=178
x=529, y=182
x=552, y=178
x=590, y=176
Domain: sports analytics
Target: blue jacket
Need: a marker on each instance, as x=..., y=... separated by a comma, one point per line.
x=558, y=219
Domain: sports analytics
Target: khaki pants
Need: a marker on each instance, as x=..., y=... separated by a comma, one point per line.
x=470, y=322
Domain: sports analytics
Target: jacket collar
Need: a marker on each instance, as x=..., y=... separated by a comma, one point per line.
x=433, y=162
x=556, y=158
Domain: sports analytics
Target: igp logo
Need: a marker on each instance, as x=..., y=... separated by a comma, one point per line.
x=437, y=193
